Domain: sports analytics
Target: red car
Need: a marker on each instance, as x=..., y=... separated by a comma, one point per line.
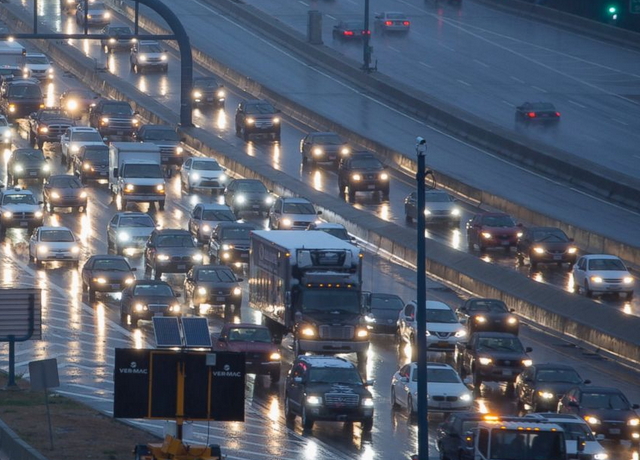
x=262, y=355
x=493, y=230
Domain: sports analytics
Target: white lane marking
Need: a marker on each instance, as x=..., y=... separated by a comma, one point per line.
x=464, y=82
x=393, y=49
x=482, y=63
x=446, y=47
x=331, y=17
x=100, y=203
x=620, y=121
x=516, y=79
x=508, y=103
x=425, y=65
x=577, y=103
x=539, y=89
x=305, y=4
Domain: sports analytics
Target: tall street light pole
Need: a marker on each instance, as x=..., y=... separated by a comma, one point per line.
x=421, y=313
x=366, y=49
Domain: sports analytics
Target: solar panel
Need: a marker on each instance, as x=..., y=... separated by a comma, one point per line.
x=196, y=332
x=167, y=331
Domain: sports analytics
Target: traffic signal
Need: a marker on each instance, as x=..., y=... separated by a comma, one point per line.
x=612, y=12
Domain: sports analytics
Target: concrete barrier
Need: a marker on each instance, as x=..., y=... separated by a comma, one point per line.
x=548, y=306
x=15, y=448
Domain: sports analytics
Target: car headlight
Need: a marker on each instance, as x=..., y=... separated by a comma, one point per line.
x=460, y=333
x=46, y=168
x=142, y=58
x=240, y=199
x=572, y=250
x=276, y=120
x=75, y=148
x=7, y=134
x=75, y=249
x=226, y=256
x=538, y=250
x=221, y=93
x=175, y=308
x=546, y=394
x=455, y=212
x=275, y=356
x=128, y=281
x=486, y=235
x=627, y=280
x=317, y=151
x=308, y=331
x=361, y=333
x=269, y=200
x=195, y=176
x=206, y=228
x=596, y=279
x=345, y=151
x=601, y=456
x=202, y=291
x=100, y=280
x=237, y=291
x=633, y=422
x=250, y=120
x=160, y=187
x=50, y=71
x=369, y=319
x=527, y=362
x=44, y=129
x=18, y=168
x=197, y=257
x=179, y=150
x=512, y=320
x=43, y=248
x=427, y=212
x=163, y=57
x=485, y=361
x=519, y=234
x=314, y=400
x=135, y=121
x=55, y=195
x=163, y=257
x=38, y=214
x=356, y=177
x=197, y=94
x=124, y=236
x=129, y=188
x=72, y=105
x=112, y=40
x=367, y=402
x=286, y=222
x=7, y=215
x=466, y=397
x=107, y=15
x=140, y=307
x=104, y=120
x=384, y=176
x=223, y=178
x=226, y=247
x=480, y=319
x=591, y=420
x=83, y=194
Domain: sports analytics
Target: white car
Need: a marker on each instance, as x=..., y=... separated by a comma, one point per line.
x=444, y=330
x=76, y=137
x=204, y=218
x=129, y=231
x=203, y=173
x=336, y=230
x=574, y=426
x=291, y=213
x=37, y=65
x=48, y=244
x=6, y=132
x=445, y=390
x=148, y=54
x=600, y=274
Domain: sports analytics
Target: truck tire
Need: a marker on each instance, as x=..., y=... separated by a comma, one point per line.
x=289, y=416
x=367, y=424
x=91, y=294
x=275, y=376
x=161, y=205
x=362, y=358
x=307, y=422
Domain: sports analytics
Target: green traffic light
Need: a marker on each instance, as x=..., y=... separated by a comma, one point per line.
x=612, y=9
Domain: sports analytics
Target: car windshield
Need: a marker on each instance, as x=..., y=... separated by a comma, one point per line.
x=493, y=306
x=136, y=221
x=117, y=109
x=436, y=375
x=161, y=290
x=366, y=163
x=340, y=233
x=115, y=265
x=51, y=113
x=335, y=375
x=395, y=16
x=119, y=31
x=65, y=182
x=604, y=401
x=432, y=197
x=37, y=60
x=535, y=445
x=3, y=121
x=161, y=135
x=175, y=241
x=24, y=92
x=205, y=83
x=552, y=236
x=386, y=302
x=263, y=107
x=57, y=236
x=440, y=316
x=143, y=171
x=251, y=186
x=351, y=25
x=79, y=93
x=206, y=166
x=558, y=375
x=221, y=275
x=10, y=71
x=298, y=208
x=543, y=106
x=329, y=301
x=511, y=344
x=219, y=215
x=29, y=155
x=97, y=6
x=151, y=49
x=96, y=155
x=86, y=136
x=19, y=198
x=237, y=233
x=606, y=264
x=574, y=430
x=249, y=334
x=498, y=221
x=327, y=139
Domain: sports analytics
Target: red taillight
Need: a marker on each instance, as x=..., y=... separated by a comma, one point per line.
x=531, y=114
x=366, y=32
x=406, y=23
x=348, y=32
x=558, y=114
x=388, y=23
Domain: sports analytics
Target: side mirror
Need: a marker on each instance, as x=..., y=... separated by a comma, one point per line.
x=369, y=382
x=573, y=404
x=571, y=240
x=32, y=115
x=183, y=139
x=519, y=225
x=189, y=278
x=528, y=350
x=136, y=113
x=586, y=382
x=40, y=202
x=512, y=310
x=177, y=295
x=319, y=213
x=134, y=269
x=580, y=443
x=115, y=172
x=239, y=280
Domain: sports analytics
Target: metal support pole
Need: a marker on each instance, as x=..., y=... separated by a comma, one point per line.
x=180, y=400
x=135, y=19
x=35, y=16
x=365, y=43
x=12, y=362
x=421, y=313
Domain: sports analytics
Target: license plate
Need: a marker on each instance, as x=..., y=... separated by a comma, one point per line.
x=244, y=256
x=220, y=299
x=165, y=158
x=103, y=174
x=443, y=344
x=59, y=256
x=182, y=266
x=249, y=362
x=506, y=373
x=371, y=187
x=256, y=206
x=24, y=224
x=557, y=257
x=209, y=99
x=114, y=286
x=120, y=133
x=33, y=173
x=446, y=405
x=158, y=314
x=505, y=243
x=614, y=430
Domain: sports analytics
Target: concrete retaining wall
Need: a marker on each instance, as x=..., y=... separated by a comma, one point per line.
x=546, y=305
x=15, y=448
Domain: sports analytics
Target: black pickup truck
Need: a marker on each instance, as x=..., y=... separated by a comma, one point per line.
x=47, y=125
x=114, y=118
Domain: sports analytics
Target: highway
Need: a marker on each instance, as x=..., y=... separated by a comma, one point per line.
x=83, y=337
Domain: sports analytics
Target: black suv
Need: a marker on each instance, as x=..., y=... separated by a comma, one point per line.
x=327, y=388
x=450, y=438
x=229, y=243
x=171, y=251
x=207, y=91
x=363, y=172
x=166, y=138
x=114, y=118
x=20, y=98
x=257, y=117
x=91, y=163
x=27, y=164
x=248, y=195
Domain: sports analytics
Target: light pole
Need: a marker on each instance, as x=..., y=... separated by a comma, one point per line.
x=421, y=313
x=366, y=50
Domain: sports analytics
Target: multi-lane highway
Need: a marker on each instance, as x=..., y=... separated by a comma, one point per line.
x=83, y=337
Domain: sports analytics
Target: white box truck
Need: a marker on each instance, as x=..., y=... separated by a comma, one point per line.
x=12, y=53
x=136, y=174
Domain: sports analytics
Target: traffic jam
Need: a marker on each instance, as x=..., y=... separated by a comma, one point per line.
x=129, y=222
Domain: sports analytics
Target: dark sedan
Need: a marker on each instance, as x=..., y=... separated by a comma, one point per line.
x=382, y=312
x=490, y=315
x=450, y=438
x=229, y=243
x=539, y=113
x=64, y=191
x=27, y=164
x=106, y=273
x=540, y=387
x=350, y=30
x=207, y=91
x=546, y=245
x=207, y=286
x=114, y=42
x=243, y=195
x=145, y=298
x=91, y=163
x=606, y=409
x=323, y=148
x=493, y=230
x=77, y=101
x=170, y=251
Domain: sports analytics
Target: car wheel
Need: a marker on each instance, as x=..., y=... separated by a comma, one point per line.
x=161, y=205
x=408, y=219
x=307, y=422
x=276, y=137
x=410, y=410
x=394, y=400
x=352, y=195
x=238, y=130
x=629, y=295
x=245, y=134
x=157, y=274
x=588, y=292
x=367, y=424
x=477, y=382
x=275, y=376
x=443, y=456
x=123, y=319
x=470, y=244
x=385, y=195
x=533, y=263
x=289, y=416
x=91, y=294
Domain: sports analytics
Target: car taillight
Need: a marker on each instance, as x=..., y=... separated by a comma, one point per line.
x=531, y=114
x=388, y=23
x=348, y=32
x=406, y=23
x=366, y=32
x=558, y=114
